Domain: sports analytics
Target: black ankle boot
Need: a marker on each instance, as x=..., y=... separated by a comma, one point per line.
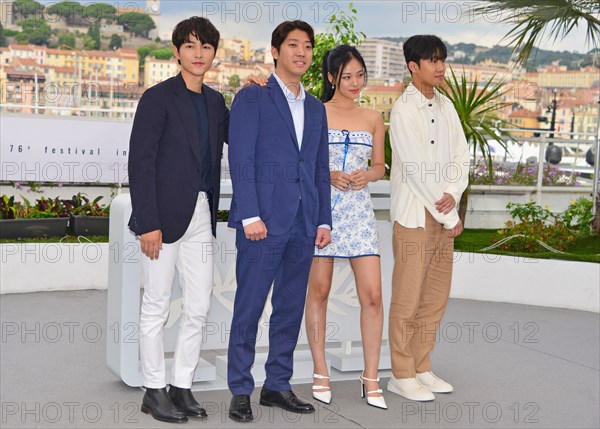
x=157, y=403
x=185, y=402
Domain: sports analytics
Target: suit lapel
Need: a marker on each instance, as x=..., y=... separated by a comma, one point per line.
x=307, y=121
x=284, y=109
x=212, y=123
x=187, y=113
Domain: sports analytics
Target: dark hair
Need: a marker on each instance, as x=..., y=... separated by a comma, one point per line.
x=334, y=62
x=199, y=27
x=285, y=28
x=420, y=47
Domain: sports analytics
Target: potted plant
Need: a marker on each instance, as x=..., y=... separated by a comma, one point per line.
x=87, y=217
x=45, y=218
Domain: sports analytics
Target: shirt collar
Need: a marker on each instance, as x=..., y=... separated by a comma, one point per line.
x=289, y=95
x=420, y=100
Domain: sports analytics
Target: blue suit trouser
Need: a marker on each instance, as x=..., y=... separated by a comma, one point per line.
x=282, y=261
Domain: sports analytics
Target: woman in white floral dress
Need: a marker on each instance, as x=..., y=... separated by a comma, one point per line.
x=356, y=157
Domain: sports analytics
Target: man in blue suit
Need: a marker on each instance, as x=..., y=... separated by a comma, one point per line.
x=279, y=161
x=174, y=165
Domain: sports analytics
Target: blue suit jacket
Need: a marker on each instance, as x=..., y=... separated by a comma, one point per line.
x=164, y=158
x=269, y=173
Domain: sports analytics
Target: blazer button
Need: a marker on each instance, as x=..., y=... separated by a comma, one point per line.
x=297, y=180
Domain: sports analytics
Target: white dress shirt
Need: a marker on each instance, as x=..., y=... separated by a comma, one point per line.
x=296, y=105
x=430, y=157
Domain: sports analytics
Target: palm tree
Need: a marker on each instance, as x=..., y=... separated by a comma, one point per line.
x=477, y=110
x=537, y=20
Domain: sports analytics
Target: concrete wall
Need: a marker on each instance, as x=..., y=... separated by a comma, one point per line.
x=550, y=283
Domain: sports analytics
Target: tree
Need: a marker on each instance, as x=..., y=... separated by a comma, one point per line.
x=234, y=81
x=2, y=36
x=137, y=23
x=143, y=52
x=67, y=39
x=155, y=51
x=534, y=21
x=89, y=43
x=10, y=33
x=71, y=11
x=24, y=9
x=99, y=11
x=94, y=33
x=35, y=31
x=116, y=42
x=341, y=31
x=162, y=54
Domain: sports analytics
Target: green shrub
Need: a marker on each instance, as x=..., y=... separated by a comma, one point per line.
x=533, y=224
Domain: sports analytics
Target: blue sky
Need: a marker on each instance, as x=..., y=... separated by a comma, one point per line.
x=254, y=20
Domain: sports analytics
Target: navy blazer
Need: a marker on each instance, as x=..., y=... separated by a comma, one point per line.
x=269, y=173
x=164, y=158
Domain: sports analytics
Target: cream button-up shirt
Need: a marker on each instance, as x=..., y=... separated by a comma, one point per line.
x=430, y=157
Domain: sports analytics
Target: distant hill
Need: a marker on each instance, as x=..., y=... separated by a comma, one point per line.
x=475, y=54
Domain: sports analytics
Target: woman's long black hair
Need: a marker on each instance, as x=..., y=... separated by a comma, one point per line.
x=334, y=62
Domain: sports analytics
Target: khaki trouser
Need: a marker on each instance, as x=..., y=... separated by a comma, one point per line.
x=420, y=290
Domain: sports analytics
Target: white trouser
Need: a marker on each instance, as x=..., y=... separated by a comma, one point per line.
x=192, y=257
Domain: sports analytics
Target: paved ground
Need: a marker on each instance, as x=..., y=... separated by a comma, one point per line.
x=511, y=365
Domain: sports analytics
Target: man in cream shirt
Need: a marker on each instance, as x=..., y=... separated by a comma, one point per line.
x=430, y=166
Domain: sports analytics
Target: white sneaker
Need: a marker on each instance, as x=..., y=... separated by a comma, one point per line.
x=410, y=388
x=434, y=383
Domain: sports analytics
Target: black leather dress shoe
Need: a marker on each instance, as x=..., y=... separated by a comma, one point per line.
x=240, y=410
x=184, y=401
x=157, y=403
x=285, y=399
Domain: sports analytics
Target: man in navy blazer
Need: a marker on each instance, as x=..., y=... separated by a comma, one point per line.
x=174, y=176
x=279, y=161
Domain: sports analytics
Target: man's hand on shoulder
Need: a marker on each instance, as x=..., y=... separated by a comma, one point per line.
x=255, y=79
x=151, y=243
x=323, y=237
x=256, y=231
